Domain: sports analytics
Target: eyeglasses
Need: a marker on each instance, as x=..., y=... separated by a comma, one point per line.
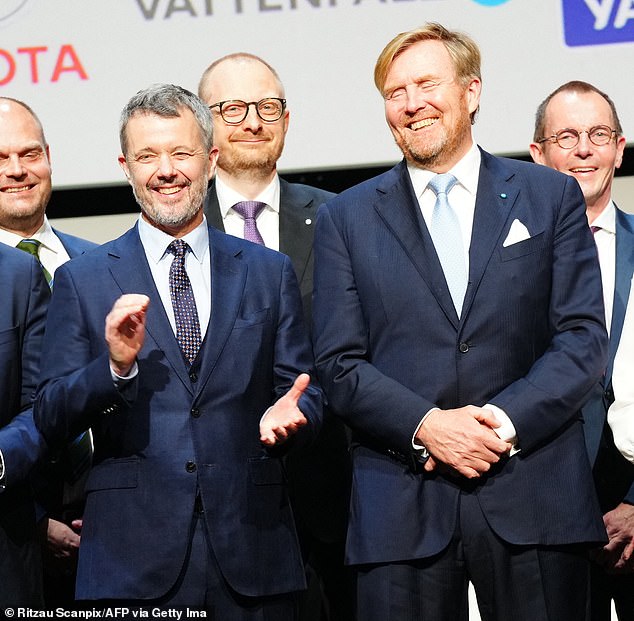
x=234, y=111
x=599, y=136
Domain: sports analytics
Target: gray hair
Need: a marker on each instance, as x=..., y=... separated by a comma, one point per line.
x=167, y=100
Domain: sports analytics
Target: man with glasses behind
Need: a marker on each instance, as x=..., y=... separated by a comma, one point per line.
x=250, y=118
x=577, y=131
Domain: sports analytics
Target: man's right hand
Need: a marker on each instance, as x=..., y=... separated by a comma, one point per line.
x=462, y=439
x=125, y=331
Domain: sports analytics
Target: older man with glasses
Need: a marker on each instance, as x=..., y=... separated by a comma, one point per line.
x=577, y=131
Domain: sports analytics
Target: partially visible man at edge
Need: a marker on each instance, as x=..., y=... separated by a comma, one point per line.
x=26, y=192
x=578, y=132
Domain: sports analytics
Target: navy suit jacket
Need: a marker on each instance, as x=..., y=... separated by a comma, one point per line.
x=298, y=211
x=48, y=477
x=319, y=477
x=173, y=432
x=613, y=473
x=22, y=316
x=389, y=346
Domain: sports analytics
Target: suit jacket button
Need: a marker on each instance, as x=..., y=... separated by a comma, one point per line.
x=195, y=412
x=463, y=347
x=190, y=466
x=193, y=377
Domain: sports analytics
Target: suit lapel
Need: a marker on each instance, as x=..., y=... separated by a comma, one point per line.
x=623, y=278
x=398, y=207
x=212, y=207
x=297, y=214
x=494, y=202
x=228, y=279
x=130, y=270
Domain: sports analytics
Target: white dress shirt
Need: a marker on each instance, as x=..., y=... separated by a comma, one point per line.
x=621, y=412
x=462, y=198
x=52, y=253
x=605, y=239
x=197, y=266
x=268, y=220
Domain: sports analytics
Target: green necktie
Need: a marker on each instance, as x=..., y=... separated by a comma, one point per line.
x=32, y=246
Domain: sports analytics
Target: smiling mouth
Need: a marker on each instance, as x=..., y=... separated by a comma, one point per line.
x=423, y=123
x=583, y=169
x=168, y=191
x=17, y=190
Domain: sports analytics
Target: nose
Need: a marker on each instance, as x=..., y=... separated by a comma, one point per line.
x=14, y=166
x=252, y=121
x=415, y=98
x=584, y=146
x=166, y=167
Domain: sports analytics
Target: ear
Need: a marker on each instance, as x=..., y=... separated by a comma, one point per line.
x=287, y=116
x=213, y=159
x=537, y=153
x=620, y=147
x=474, y=89
x=124, y=166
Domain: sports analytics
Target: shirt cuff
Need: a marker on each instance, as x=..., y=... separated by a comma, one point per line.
x=419, y=448
x=506, y=430
x=120, y=381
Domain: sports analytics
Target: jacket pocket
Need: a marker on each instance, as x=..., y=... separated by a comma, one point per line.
x=114, y=474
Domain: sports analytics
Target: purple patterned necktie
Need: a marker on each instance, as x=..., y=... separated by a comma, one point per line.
x=250, y=210
x=183, y=302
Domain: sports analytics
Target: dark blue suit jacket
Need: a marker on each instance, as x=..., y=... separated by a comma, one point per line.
x=531, y=340
x=614, y=474
x=172, y=432
x=48, y=477
x=22, y=315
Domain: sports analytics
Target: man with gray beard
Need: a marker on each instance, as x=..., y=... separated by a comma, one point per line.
x=195, y=390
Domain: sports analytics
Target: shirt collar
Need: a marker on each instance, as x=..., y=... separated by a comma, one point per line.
x=606, y=220
x=466, y=171
x=228, y=197
x=155, y=241
x=45, y=235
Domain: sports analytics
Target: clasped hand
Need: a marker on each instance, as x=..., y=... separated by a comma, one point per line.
x=462, y=439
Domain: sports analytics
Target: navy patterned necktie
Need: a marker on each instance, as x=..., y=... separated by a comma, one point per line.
x=447, y=236
x=183, y=302
x=32, y=246
x=250, y=210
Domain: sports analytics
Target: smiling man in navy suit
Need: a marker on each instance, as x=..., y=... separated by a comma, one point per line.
x=22, y=316
x=250, y=138
x=458, y=326
x=198, y=388
x=26, y=192
x=578, y=132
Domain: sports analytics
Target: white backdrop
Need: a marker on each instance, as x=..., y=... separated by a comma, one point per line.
x=77, y=62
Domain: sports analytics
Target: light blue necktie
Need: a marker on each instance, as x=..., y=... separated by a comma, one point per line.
x=447, y=238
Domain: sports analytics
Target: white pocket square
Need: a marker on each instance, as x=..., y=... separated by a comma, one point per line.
x=517, y=233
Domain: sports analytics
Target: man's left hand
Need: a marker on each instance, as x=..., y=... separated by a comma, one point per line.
x=618, y=555
x=284, y=419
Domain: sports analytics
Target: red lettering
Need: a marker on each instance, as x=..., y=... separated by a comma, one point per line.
x=11, y=71
x=33, y=52
x=75, y=63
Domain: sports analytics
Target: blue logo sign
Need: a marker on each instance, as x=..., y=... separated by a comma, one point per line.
x=595, y=22
x=491, y=2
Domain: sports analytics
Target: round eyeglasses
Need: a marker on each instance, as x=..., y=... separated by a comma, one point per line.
x=599, y=136
x=234, y=111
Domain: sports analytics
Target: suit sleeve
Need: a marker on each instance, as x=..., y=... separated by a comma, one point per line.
x=550, y=395
x=293, y=356
x=76, y=384
x=21, y=444
x=356, y=389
